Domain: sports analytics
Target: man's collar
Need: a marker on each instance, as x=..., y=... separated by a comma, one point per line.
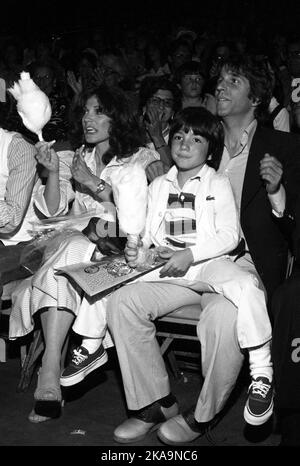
x=246, y=136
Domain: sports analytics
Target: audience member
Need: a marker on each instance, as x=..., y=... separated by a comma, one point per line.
x=198, y=261
x=180, y=52
x=191, y=79
x=18, y=183
x=263, y=170
x=262, y=165
x=112, y=138
x=159, y=100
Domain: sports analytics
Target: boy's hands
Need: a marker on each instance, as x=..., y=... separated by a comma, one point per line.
x=131, y=253
x=178, y=264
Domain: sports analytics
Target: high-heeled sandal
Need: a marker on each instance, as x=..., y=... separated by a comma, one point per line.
x=46, y=409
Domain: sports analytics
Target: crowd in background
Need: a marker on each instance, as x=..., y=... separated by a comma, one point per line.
x=120, y=94
x=66, y=64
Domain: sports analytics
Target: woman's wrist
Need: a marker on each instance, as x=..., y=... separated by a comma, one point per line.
x=98, y=186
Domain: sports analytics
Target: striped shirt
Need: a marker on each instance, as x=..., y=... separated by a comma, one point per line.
x=180, y=215
x=22, y=172
x=180, y=219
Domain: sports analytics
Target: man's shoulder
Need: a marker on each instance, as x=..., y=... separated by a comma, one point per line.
x=19, y=140
x=275, y=135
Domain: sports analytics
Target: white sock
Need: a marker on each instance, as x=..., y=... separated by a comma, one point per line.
x=91, y=344
x=260, y=362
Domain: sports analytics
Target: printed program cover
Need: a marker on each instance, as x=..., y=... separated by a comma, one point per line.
x=105, y=275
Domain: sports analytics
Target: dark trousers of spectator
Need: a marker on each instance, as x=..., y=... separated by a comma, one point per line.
x=286, y=357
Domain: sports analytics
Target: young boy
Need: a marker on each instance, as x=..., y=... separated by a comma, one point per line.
x=193, y=222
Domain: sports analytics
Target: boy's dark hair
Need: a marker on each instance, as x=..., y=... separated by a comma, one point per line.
x=189, y=68
x=125, y=134
x=150, y=85
x=203, y=123
x=255, y=69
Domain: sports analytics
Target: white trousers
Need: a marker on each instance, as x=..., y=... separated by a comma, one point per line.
x=131, y=311
x=223, y=276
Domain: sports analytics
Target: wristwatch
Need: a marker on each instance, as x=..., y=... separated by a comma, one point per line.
x=100, y=187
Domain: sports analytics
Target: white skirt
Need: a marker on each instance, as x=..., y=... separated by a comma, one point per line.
x=46, y=289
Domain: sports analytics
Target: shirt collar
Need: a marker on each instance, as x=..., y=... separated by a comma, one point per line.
x=247, y=136
x=173, y=172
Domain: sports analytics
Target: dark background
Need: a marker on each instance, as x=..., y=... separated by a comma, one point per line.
x=36, y=17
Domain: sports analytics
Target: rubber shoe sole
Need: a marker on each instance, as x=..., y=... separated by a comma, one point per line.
x=80, y=375
x=253, y=420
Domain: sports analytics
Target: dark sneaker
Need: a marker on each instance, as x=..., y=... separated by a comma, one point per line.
x=259, y=406
x=82, y=364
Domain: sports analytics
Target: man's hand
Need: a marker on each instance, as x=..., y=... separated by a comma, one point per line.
x=178, y=264
x=271, y=172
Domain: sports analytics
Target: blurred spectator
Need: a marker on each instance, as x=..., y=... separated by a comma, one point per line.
x=191, y=78
x=159, y=100
x=156, y=59
x=180, y=52
x=294, y=82
x=45, y=77
x=219, y=54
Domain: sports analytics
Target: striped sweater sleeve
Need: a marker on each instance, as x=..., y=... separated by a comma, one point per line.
x=22, y=172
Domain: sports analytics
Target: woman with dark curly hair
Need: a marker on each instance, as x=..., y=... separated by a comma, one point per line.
x=112, y=138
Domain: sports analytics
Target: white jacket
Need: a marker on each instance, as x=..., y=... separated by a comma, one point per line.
x=217, y=220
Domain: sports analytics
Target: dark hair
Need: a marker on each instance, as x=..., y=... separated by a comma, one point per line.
x=125, y=133
x=203, y=123
x=256, y=71
x=150, y=85
x=189, y=68
x=180, y=42
x=35, y=65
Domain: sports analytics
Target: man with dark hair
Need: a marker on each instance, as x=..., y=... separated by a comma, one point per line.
x=262, y=165
x=263, y=169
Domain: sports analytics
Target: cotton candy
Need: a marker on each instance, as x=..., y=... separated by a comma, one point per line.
x=32, y=104
x=129, y=185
